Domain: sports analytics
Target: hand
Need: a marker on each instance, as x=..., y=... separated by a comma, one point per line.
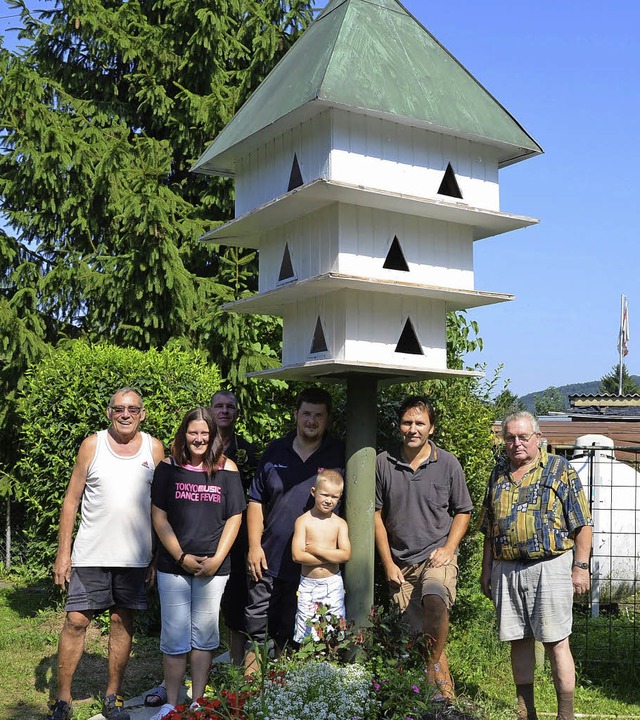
x=62, y=571
x=581, y=580
x=317, y=550
x=192, y=563
x=440, y=557
x=208, y=567
x=256, y=563
x=394, y=575
x=485, y=582
x=150, y=576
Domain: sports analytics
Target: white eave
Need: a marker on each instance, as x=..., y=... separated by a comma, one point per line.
x=336, y=370
x=246, y=230
x=274, y=301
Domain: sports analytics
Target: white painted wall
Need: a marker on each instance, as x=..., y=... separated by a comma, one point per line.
x=263, y=174
x=364, y=151
x=384, y=155
x=355, y=241
x=365, y=327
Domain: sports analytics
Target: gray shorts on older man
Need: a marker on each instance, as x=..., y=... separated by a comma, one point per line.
x=533, y=599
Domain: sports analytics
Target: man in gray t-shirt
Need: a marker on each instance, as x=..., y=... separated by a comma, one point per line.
x=423, y=508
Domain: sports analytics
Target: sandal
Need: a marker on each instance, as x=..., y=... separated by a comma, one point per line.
x=156, y=697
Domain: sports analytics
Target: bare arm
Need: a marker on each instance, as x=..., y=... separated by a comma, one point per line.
x=444, y=555
x=392, y=571
x=157, y=451
x=166, y=535
x=339, y=554
x=256, y=560
x=487, y=564
x=580, y=578
x=69, y=510
x=299, y=552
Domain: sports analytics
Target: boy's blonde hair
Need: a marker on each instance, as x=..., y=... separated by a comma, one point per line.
x=332, y=477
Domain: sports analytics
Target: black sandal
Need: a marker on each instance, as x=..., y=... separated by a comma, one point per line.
x=156, y=697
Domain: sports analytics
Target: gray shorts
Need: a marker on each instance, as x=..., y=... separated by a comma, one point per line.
x=533, y=599
x=99, y=588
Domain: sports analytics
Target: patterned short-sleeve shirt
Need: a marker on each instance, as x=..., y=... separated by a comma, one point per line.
x=537, y=517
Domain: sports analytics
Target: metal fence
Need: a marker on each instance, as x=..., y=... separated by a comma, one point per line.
x=606, y=626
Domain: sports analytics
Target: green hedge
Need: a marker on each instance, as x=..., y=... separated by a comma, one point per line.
x=64, y=400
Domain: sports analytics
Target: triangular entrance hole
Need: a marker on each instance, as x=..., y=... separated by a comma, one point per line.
x=295, y=178
x=395, y=257
x=408, y=342
x=286, y=266
x=449, y=185
x=319, y=343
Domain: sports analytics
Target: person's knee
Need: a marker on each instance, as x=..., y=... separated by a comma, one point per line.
x=435, y=608
x=76, y=623
x=558, y=649
x=121, y=619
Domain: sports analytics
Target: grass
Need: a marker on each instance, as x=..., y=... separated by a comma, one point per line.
x=30, y=621
x=31, y=618
x=482, y=669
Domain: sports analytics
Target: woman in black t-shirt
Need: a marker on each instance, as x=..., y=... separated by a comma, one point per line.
x=197, y=504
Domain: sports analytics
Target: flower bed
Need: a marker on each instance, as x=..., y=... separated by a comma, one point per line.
x=376, y=673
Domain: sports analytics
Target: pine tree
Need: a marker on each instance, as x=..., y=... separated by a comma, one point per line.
x=102, y=114
x=609, y=384
x=102, y=118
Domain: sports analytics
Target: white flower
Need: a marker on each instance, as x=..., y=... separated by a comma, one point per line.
x=317, y=691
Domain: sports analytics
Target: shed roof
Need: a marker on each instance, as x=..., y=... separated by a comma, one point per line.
x=375, y=58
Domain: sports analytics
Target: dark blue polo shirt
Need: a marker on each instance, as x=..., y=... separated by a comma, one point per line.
x=283, y=484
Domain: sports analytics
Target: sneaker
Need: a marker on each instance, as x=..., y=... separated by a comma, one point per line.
x=60, y=710
x=164, y=711
x=113, y=708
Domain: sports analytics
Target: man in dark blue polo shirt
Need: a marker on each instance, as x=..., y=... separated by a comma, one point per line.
x=279, y=494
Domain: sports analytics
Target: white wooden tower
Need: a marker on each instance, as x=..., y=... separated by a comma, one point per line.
x=366, y=166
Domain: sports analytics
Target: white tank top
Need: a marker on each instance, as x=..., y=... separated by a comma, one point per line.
x=115, y=520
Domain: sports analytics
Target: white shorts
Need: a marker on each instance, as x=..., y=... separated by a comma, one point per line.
x=189, y=607
x=313, y=592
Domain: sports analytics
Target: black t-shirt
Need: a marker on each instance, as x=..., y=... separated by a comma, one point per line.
x=197, y=508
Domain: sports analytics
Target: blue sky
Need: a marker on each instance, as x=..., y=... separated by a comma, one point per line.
x=567, y=71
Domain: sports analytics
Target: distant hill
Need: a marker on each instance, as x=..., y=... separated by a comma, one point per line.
x=586, y=388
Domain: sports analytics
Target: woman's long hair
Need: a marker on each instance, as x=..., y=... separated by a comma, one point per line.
x=179, y=450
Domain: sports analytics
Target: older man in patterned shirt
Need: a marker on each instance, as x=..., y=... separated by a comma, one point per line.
x=538, y=533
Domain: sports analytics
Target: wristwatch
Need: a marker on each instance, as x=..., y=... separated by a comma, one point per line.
x=582, y=566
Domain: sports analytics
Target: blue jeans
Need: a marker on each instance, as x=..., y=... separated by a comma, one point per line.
x=190, y=607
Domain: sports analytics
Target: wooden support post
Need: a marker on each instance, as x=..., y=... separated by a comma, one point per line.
x=360, y=494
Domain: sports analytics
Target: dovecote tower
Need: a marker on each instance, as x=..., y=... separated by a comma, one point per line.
x=366, y=166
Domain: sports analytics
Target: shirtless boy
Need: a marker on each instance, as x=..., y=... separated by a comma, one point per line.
x=320, y=543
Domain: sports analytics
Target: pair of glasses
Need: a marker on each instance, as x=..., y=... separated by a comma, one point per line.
x=510, y=439
x=131, y=409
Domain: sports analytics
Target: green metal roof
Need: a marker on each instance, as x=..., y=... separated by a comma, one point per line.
x=371, y=57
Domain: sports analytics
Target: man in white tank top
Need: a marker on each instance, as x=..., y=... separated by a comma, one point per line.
x=112, y=550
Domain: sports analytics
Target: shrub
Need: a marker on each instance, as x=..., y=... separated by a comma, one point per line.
x=64, y=400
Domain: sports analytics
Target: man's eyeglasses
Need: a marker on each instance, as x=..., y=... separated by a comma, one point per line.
x=510, y=439
x=131, y=409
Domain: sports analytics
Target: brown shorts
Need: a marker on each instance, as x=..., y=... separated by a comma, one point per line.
x=420, y=580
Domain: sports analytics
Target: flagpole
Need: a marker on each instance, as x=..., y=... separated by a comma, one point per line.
x=623, y=338
x=620, y=341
